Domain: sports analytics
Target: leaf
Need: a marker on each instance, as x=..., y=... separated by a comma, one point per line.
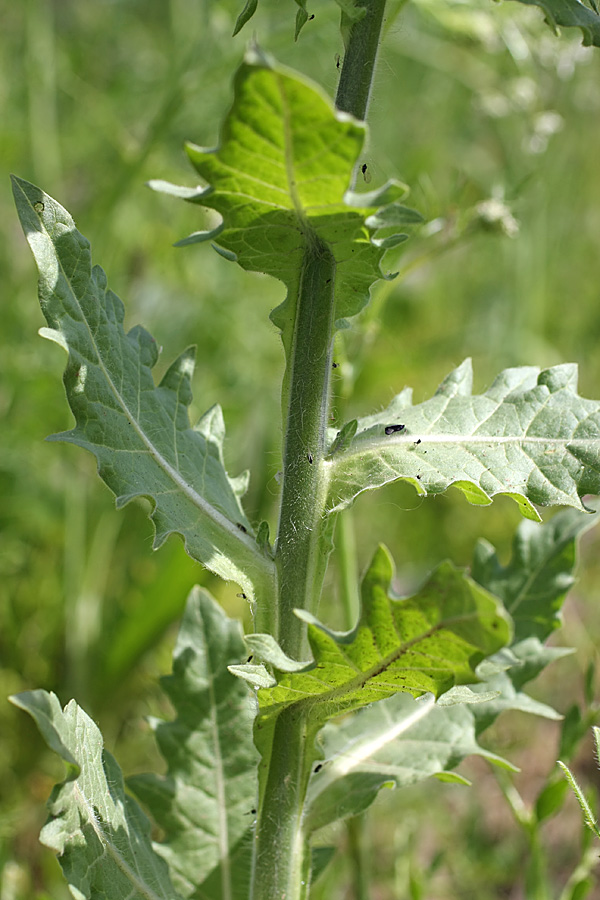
x=245, y=15
x=204, y=804
x=140, y=433
x=250, y=8
x=100, y=834
x=397, y=742
x=571, y=14
x=533, y=587
x=420, y=644
x=279, y=180
x=401, y=741
x=535, y=582
x=530, y=436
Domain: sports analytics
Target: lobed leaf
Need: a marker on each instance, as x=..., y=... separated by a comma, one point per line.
x=279, y=180
x=535, y=582
x=139, y=432
x=204, y=803
x=426, y=643
x=100, y=834
x=571, y=14
x=400, y=741
x=397, y=742
x=530, y=436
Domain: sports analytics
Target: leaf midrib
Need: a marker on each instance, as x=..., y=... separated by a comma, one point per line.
x=363, y=677
x=196, y=499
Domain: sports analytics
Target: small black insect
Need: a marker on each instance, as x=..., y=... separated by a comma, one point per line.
x=335, y=365
x=311, y=17
x=309, y=457
x=241, y=595
x=366, y=174
x=242, y=527
x=318, y=768
x=393, y=429
x=250, y=658
x=337, y=60
x=418, y=441
x=418, y=477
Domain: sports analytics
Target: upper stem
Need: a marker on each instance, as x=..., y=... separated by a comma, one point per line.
x=299, y=549
x=362, y=41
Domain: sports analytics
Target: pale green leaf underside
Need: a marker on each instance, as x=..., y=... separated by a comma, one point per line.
x=530, y=436
x=139, y=432
x=425, y=643
x=203, y=804
x=397, y=742
x=100, y=834
x=279, y=179
x=571, y=14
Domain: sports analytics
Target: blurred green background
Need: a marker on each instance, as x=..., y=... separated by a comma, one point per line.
x=494, y=122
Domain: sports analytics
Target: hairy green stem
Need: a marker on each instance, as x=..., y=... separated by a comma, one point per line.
x=281, y=867
x=299, y=551
x=281, y=861
x=362, y=41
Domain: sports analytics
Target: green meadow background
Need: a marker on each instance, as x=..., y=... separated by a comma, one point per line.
x=494, y=123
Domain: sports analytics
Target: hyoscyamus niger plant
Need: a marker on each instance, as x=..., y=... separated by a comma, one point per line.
x=284, y=731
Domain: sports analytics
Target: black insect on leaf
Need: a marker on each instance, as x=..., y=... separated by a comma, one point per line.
x=418, y=441
x=309, y=457
x=337, y=60
x=366, y=173
x=242, y=527
x=318, y=768
x=393, y=429
x=335, y=365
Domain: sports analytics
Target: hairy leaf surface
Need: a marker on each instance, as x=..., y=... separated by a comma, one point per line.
x=279, y=180
x=397, y=742
x=402, y=740
x=204, y=803
x=425, y=643
x=100, y=834
x=139, y=432
x=571, y=14
x=530, y=436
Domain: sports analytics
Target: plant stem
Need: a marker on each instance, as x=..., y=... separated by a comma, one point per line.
x=359, y=857
x=281, y=857
x=281, y=868
x=362, y=41
x=299, y=552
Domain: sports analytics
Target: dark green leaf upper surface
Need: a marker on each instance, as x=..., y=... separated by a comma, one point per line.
x=100, y=834
x=425, y=643
x=529, y=436
x=279, y=180
x=139, y=432
x=203, y=804
x=401, y=740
